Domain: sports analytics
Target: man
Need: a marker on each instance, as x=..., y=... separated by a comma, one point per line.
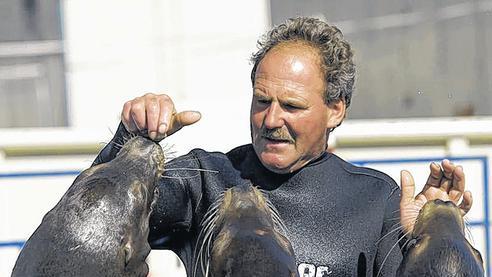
x=340, y=217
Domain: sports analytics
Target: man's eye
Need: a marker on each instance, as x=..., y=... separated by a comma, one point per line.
x=293, y=107
x=263, y=101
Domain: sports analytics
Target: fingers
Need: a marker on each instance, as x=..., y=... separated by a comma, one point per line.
x=447, y=168
x=445, y=182
x=133, y=115
x=441, y=176
x=435, y=176
x=407, y=188
x=152, y=111
x=458, y=185
x=421, y=199
x=453, y=180
x=409, y=206
x=183, y=119
x=466, y=203
x=167, y=110
x=137, y=116
x=155, y=115
x=126, y=118
x=406, y=202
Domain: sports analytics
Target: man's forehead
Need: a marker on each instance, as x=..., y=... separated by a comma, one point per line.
x=290, y=60
x=265, y=85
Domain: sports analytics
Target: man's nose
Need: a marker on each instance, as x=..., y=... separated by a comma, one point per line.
x=274, y=117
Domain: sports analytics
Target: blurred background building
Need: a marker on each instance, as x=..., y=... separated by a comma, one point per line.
x=423, y=89
x=32, y=72
x=415, y=58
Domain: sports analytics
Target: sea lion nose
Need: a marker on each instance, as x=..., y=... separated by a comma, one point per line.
x=145, y=145
x=444, y=203
x=449, y=203
x=245, y=204
x=439, y=202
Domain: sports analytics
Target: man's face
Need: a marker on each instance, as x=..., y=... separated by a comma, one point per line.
x=289, y=118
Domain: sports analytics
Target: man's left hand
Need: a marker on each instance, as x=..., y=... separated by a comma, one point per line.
x=445, y=182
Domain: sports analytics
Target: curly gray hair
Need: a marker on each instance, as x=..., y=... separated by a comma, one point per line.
x=337, y=55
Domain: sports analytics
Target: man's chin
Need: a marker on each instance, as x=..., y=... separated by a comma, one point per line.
x=273, y=163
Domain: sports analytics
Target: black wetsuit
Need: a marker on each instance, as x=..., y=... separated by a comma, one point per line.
x=337, y=214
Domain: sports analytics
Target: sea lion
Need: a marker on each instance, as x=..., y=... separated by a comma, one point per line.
x=438, y=246
x=101, y=224
x=243, y=235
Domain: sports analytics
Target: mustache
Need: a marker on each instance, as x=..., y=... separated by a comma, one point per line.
x=277, y=134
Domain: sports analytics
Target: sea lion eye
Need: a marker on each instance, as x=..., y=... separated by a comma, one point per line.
x=410, y=244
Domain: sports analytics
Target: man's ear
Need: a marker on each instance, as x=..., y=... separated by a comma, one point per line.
x=336, y=113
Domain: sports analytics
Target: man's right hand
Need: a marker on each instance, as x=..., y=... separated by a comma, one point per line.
x=155, y=115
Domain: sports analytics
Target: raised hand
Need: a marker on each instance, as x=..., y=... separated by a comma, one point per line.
x=155, y=115
x=445, y=182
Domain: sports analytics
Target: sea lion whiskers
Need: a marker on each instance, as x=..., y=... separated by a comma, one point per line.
x=389, y=252
x=205, y=236
x=179, y=178
x=274, y=212
x=184, y=169
x=399, y=228
x=396, y=218
x=209, y=247
x=126, y=137
x=194, y=169
x=117, y=145
x=172, y=161
x=169, y=152
x=414, y=215
x=129, y=136
x=204, y=253
x=175, y=162
x=468, y=233
x=277, y=220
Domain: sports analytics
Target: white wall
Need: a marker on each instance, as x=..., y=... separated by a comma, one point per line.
x=196, y=51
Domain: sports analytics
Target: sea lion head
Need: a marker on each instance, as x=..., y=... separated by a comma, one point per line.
x=438, y=246
x=247, y=237
x=118, y=196
x=101, y=224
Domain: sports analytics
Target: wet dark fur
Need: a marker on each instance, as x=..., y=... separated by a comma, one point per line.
x=101, y=224
x=242, y=235
x=438, y=246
